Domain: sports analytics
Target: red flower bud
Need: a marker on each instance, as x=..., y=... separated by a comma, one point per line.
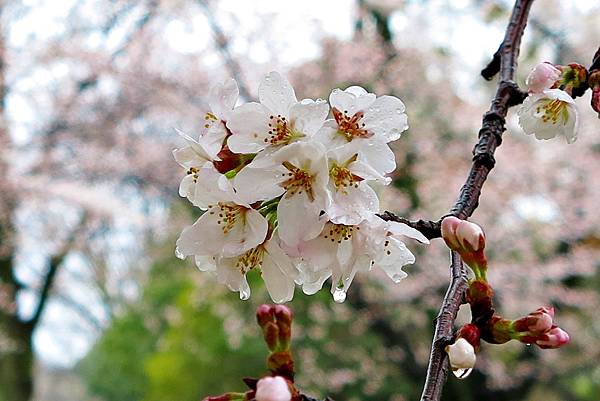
x=536, y=323
x=471, y=333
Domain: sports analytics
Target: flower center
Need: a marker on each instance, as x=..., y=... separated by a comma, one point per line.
x=553, y=110
x=298, y=181
x=193, y=171
x=342, y=177
x=281, y=131
x=209, y=119
x=350, y=126
x=250, y=260
x=339, y=232
x=228, y=215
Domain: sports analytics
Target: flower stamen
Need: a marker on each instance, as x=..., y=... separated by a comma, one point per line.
x=299, y=181
x=281, y=131
x=350, y=126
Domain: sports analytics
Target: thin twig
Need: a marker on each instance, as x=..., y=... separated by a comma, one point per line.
x=437, y=371
x=490, y=137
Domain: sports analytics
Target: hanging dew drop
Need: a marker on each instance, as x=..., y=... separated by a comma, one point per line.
x=178, y=254
x=462, y=373
x=244, y=295
x=339, y=296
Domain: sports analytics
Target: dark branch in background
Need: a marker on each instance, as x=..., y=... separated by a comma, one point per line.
x=490, y=137
x=223, y=44
x=56, y=262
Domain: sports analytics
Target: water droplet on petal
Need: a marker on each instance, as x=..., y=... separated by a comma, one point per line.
x=462, y=373
x=339, y=295
x=399, y=111
x=178, y=254
x=244, y=295
x=529, y=345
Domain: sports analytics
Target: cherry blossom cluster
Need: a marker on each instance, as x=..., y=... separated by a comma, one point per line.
x=538, y=327
x=287, y=191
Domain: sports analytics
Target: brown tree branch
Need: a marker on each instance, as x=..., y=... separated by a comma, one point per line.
x=437, y=371
x=490, y=137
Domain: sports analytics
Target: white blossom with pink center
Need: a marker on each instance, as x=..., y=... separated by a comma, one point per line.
x=298, y=173
x=278, y=120
x=368, y=120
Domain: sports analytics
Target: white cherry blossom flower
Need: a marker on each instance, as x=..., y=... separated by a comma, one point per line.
x=221, y=100
x=268, y=258
x=353, y=200
x=340, y=251
x=228, y=228
x=278, y=120
x=298, y=173
x=548, y=114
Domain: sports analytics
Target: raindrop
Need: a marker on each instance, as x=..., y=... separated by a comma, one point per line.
x=339, y=295
x=529, y=345
x=462, y=373
x=244, y=295
x=178, y=254
x=399, y=111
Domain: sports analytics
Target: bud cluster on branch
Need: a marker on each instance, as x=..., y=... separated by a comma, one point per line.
x=538, y=327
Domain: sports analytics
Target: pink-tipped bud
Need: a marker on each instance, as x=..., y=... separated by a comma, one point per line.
x=264, y=314
x=554, y=338
x=462, y=235
x=542, y=77
x=227, y=397
x=273, y=389
x=536, y=323
x=461, y=354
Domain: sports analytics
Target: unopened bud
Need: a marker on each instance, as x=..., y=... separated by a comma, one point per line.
x=471, y=333
x=273, y=389
x=461, y=354
x=542, y=77
x=536, y=323
x=574, y=79
x=264, y=314
x=554, y=338
x=227, y=397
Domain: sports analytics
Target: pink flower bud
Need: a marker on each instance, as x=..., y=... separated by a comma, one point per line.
x=543, y=76
x=536, y=323
x=273, y=389
x=471, y=333
x=461, y=354
x=554, y=338
x=594, y=82
x=448, y=228
x=471, y=236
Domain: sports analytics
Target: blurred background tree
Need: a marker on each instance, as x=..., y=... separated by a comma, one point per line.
x=90, y=92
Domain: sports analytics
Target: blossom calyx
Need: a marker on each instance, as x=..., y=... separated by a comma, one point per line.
x=228, y=397
x=543, y=76
x=471, y=333
x=461, y=354
x=573, y=79
x=273, y=389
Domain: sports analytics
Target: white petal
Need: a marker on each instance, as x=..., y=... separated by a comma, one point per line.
x=396, y=228
x=212, y=140
x=308, y=116
x=249, y=125
x=222, y=98
x=377, y=154
x=276, y=93
x=205, y=263
x=352, y=100
x=393, y=257
x=255, y=184
x=229, y=274
x=329, y=137
x=386, y=118
x=353, y=205
x=278, y=273
x=299, y=219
